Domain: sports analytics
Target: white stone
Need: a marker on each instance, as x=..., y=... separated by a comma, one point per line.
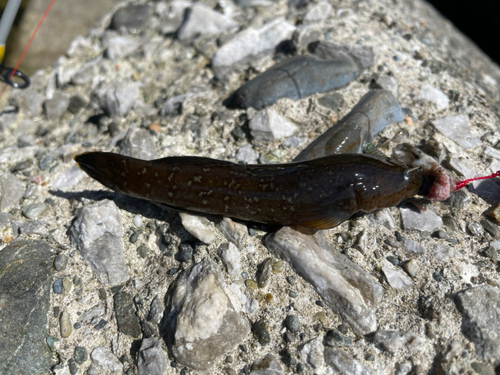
x=267, y=125
x=396, y=278
x=457, y=129
x=312, y=352
x=198, y=226
x=202, y=20
x=253, y=42
x=105, y=359
x=318, y=12
x=432, y=94
x=424, y=221
x=231, y=258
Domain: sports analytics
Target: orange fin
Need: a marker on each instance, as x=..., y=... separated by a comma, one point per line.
x=324, y=222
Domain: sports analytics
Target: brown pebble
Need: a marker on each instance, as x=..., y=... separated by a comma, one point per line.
x=494, y=213
x=155, y=127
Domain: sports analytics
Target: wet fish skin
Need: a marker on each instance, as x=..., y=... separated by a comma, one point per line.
x=317, y=194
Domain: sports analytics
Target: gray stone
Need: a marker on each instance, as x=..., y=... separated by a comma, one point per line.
x=347, y=289
x=306, y=34
x=267, y=126
x=201, y=323
x=97, y=232
x=250, y=44
x=394, y=340
x=68, y=178
x=29, y=264
x=266, y=366
x=80, y=355
x=344, y=364
x=199, y=226
x=155, y=311
x=138, y=143
x=480, y=308
x=294, y=78
x=30, y=227
x=382, y=217
x=443, y=252
x=133, y=18
x=55, y=107
x=457, y=129
x=118, y=98
x=231, y=258
x=65, y=324
x=247, y=155
x=202, y=20
x=396, y=278
x=362, y=55
x=34, y=210
x=318, y=12
x=235, y=232
x=312, y=352
x=117, y=46
x=125, y=314
x=5, y=219
x=31, y=103
x=412, y=267
x=11, y=191
x=388, y=83
x=423, y=221
x=103, y=357
x=14, y=154
x=432, y=94
x=371, y=115
x=173, y=106
x=412, y=246
x=152, y=359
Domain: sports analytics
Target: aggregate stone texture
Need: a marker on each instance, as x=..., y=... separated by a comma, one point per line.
x=25, y=302
x=119, y=284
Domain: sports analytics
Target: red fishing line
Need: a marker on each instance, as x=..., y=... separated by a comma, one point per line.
x=461, y=184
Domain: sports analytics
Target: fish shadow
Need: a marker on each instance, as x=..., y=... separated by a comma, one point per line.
x=135, y=206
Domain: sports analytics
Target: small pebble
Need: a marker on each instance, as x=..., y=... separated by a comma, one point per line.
x=369, y=357
x=137, y=220
x=289, y=337
x=437, y=276
x=244, y=275
x=143, y=251
x=491, y=253
x=73, y=368
x=393, y=260
x=440, y=234
x=412, y=267
x=335, y=338
x=292, y=323
x=60, y=262
x=77, y=325
x=430, y=331
x=320, y=303
x=399, y=237
x=259, y=329
x=65, y=324
x=290, y=280
x=244, y=348
x=264, y=272
x=292, y=294
x=57, y=287
x=185, y=253
x=34, y=210
x=135, y=236
x=300, y=367
x=102, y=323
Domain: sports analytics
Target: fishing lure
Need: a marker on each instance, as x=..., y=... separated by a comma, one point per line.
x=317, y=194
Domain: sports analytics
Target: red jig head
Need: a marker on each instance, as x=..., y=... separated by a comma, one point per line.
x=461, y=184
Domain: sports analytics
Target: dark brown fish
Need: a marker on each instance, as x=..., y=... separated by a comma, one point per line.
x=318, y=194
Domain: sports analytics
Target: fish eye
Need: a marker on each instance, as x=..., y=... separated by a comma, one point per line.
x=406, y=176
